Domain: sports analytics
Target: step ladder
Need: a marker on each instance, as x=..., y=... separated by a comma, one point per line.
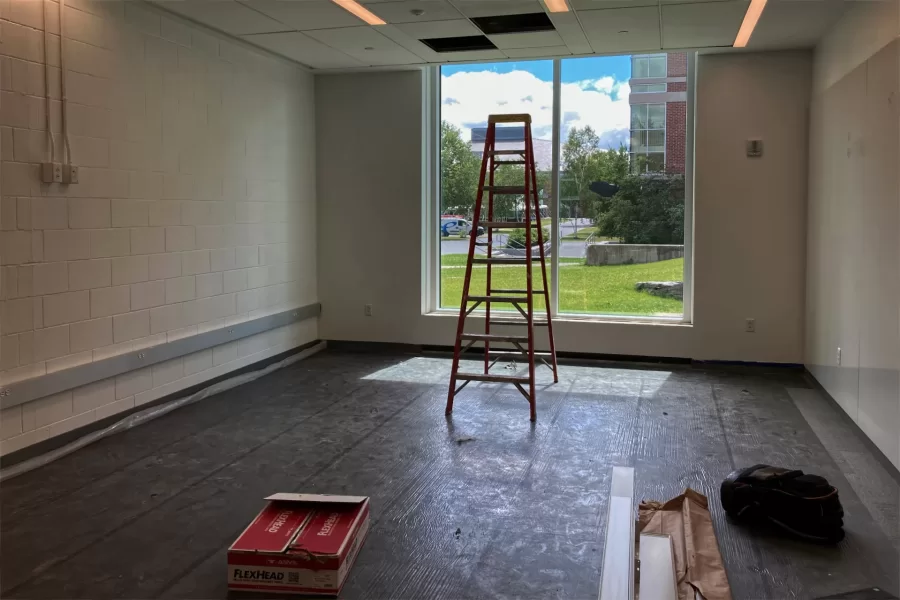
x=516, y=344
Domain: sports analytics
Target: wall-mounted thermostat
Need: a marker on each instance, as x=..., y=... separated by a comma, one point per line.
x=754, y=148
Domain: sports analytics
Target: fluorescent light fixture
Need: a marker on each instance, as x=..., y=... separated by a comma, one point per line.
x=557, y=5
x=750, y=19
x=355, y=8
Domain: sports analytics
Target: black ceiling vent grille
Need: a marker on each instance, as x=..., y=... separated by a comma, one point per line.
x=459, y=44
x=514, y=23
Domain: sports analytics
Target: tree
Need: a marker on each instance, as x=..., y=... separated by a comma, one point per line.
x=459, y=171
x=648, y=209
x=577, y=159
x=584, y=163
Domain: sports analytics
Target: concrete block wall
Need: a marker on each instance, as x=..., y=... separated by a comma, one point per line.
x=195, y=208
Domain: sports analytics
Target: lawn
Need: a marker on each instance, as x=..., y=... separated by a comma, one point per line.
x=604, y=290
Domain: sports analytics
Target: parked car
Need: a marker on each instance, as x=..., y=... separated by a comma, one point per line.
x=460, y=227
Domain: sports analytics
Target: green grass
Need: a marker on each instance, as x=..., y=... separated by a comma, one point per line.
x=583, y=233
x=603, y=290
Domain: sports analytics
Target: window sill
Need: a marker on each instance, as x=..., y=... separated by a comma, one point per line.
x=445, y=313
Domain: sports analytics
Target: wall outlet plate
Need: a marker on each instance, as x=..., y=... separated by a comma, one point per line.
x=70, y=174
x=368, y=310
x=51, y=172
x=750, y=326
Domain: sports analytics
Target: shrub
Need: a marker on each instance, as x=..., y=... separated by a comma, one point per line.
x=516, y=238
x=648, y=209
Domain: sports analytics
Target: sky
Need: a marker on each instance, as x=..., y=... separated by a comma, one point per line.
x=594, y=92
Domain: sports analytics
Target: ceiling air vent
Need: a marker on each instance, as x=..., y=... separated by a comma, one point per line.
x=526, y=23
x=459, y=44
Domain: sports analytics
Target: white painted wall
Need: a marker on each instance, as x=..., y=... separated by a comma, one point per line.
x=749, y=229
x=853, y=274
x=195, y=210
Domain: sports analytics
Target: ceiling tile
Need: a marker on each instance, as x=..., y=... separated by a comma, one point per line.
x=305, y=14
x=303, y=49
x=622, y=29
x=224, y=15
x=401, y=12
x=700, y=1
x=701, y=25
x=438, y=29
x=366, y=45
x=471, y=56
x=410, y=43
x=570, y=31
x=534, y=39
x=537, y=52
x=602, y=4
x=490, y=8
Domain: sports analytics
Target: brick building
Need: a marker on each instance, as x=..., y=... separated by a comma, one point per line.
x=658, y=111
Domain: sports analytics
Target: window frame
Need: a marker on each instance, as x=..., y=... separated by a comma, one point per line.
x=431, y=213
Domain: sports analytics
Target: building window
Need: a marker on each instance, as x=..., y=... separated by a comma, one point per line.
x=645, y=66
x=648, y=137
x=648, y=88
x=618, y=217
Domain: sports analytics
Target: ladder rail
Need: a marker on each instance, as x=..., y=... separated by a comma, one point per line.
x=487, y=287
x=529, y=285
x=488, y=147
x=540, y=232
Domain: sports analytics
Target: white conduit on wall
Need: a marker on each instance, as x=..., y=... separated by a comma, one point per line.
x=139, y=418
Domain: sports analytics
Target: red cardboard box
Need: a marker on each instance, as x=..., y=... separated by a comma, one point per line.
x=299, y=544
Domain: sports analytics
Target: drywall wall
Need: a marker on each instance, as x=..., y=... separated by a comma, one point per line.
x=864, y=29
x=749, y=215
x=853, y=275
x=195, y=208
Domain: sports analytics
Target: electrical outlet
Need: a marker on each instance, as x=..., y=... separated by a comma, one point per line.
x=51, y=172
x=368, y=310
x=750, y=326
x=70, y=174
x=839, y=357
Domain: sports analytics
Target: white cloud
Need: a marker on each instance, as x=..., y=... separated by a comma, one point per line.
x=469, y=97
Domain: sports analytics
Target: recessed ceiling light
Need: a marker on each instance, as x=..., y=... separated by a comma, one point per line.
x=750, y=19
x=555, y=6
x=355, y=8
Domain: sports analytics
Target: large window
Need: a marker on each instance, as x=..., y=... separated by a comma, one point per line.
x=616, y=218
x=643, y=66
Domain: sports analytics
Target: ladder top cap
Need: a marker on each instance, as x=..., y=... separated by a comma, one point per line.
x=520, y=118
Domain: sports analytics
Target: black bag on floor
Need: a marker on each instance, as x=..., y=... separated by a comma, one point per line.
x=804, y=505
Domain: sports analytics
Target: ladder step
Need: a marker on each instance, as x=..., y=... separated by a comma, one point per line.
x=515, y=352
x=506, y=224
x=512, y=299
x=509, y=162
x=505, y=189
x=510, y=118
x=490, y=337
x=492, y=378
x=536, y=322
x=517, y=291
x=507, y=152
x=499, y=261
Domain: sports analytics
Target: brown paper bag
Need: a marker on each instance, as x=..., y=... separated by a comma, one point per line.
x=698, y=564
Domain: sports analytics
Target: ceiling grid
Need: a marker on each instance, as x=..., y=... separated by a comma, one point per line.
x=321, y=35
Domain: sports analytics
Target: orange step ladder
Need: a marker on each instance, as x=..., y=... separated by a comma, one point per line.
x=522, y=346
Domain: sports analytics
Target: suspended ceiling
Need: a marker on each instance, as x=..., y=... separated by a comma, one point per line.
x=321, y=35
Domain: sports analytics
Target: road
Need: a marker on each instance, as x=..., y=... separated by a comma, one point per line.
x=569, y=249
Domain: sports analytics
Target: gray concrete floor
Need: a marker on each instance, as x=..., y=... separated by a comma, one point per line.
x=516, y=512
